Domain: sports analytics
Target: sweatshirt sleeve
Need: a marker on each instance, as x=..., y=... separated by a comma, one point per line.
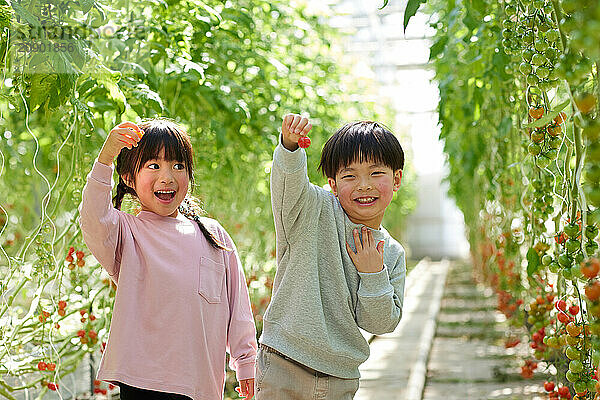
x=380, y=298
x=241, y=332
x=292, y=195
x=99, y=220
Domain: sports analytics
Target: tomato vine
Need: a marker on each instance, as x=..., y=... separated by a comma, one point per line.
x=519, y=89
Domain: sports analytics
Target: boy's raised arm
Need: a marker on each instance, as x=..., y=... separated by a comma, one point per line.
x=292, y=195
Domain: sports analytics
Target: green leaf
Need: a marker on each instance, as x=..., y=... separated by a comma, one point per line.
x=545, y=120
x=26, y=15
x=41, y=88
x=411, y=9
x=385, y=2
x=438, y=47
x=86, y=5
x=147, y=95
x=533, y=261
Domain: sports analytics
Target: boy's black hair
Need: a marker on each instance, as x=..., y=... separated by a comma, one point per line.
x=361, y=141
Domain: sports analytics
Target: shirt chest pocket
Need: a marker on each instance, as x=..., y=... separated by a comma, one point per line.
x=211, y=280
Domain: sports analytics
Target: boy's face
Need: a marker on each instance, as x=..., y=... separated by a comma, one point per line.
x=364, y=190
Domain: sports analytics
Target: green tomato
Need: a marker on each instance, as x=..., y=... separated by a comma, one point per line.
x=591, y=231
x=538, y=59
x=545, y=85
x=539, y=4
x=580, y=386
x=552, y=154
x=546, y=259
x=567, y=273
x=572, y=353
x=525, y=68
x=554, y=267
x=542, y=161
x=565, y=260
x=527, y=55
x=507, y=23
x=571, y=376
x=534, y=149
x=572, y=230
x=576, y=272
x=573, y=246
x=551, y=53
x=591, y=247
x=542, y=72
x=510, y=10
x=541, y=45
x=576, y=366
x=554, y=143
x=552, y=35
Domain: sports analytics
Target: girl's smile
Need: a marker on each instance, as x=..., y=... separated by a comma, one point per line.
x=161, y=185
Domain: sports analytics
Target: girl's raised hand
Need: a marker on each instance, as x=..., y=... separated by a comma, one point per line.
x=294, y=127
x=126, y=134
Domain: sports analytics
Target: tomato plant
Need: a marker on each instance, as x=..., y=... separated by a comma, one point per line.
x=518, y=82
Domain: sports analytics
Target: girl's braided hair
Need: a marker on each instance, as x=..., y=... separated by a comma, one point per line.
x=162, y=133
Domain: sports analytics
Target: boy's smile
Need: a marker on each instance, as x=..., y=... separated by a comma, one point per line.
x=364, y=190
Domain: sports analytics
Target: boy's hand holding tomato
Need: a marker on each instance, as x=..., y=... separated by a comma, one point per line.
x=295, y=127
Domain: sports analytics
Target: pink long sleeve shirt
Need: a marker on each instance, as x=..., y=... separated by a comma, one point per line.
x=180, y=303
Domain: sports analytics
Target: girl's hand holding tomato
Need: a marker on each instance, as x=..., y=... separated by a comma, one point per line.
x=126, y=134
x=294, y=128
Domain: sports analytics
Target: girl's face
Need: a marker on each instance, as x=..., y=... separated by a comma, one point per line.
x=161, y=185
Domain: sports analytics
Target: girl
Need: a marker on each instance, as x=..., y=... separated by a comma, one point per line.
x=181, y=299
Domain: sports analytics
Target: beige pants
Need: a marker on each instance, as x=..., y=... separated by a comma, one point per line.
x=279, y=378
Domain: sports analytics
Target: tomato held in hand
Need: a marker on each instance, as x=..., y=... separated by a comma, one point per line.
x=304, y=142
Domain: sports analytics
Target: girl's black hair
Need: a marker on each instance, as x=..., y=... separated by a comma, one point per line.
x=162, y=133
x=361, y=141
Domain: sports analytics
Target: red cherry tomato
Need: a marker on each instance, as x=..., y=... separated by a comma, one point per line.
x=304, y=142
x=574, y=310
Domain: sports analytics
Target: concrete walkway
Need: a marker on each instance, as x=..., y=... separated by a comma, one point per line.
x=449, y=344
x=396, y=368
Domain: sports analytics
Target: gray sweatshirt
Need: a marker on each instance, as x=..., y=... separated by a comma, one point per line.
x=319, y=299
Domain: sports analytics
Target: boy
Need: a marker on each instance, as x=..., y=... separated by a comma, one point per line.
x=338, y=269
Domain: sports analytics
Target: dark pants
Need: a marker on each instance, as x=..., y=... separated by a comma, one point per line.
x=134, y=393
